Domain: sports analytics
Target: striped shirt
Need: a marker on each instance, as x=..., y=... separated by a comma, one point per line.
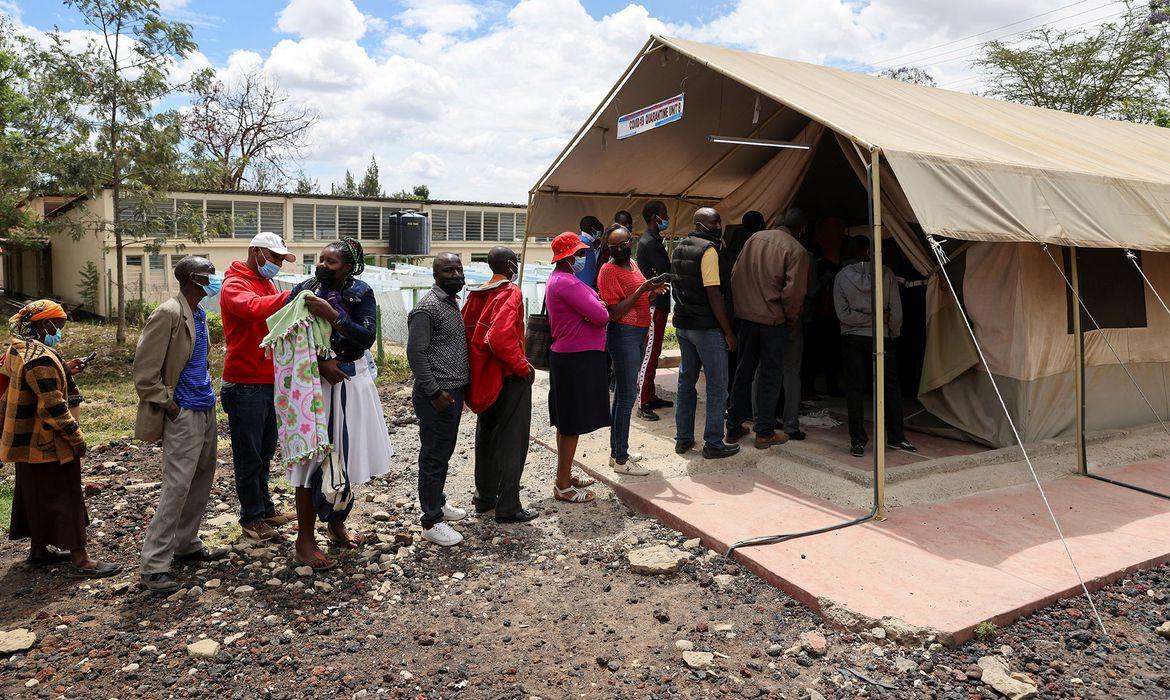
x=194, y=392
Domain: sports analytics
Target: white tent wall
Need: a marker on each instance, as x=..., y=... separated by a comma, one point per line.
x=1018, y=304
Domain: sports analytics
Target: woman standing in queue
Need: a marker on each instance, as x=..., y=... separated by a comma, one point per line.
x=41, y=436
x=357, y=425
x=627, y=295
x=578, y=396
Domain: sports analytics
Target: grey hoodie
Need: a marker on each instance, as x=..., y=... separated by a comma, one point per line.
x=852, y=296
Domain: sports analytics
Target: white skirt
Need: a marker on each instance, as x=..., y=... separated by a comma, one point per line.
x=357, y=429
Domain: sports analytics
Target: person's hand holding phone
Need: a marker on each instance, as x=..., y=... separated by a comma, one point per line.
x=78, y=364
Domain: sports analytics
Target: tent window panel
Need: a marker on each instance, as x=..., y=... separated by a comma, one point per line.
x=347, y=221
x=473, y=228
x=439, y=225
x=219, y=217
x=371, y=224
x=272, y=217
x=247, y=215
x=1111, y=288
x=327, y=221
x=302, y=222
x=491, y=226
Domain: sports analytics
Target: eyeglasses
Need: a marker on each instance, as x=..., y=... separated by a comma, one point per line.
x=619, y=247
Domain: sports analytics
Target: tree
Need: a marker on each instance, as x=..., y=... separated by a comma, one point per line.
x=43, y=138
x=349, y=189
x=246, y=130
x=1104, y=71
x=305, y=185
x=421, y=192
x=126, y=72
x=910, y=74
x=1158, y=26
x=370, y=186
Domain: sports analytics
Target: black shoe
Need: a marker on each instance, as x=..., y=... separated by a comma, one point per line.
x=520, y=516
x=682, y=447
x=904, y=446
x=161, y=582
x=204, y=554
x=735, y=432
x=710, y=452
x=659, y=403
x=857, y=449
x=797, y=435
x=646, y=414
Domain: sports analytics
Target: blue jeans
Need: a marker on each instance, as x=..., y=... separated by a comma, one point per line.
x=761, y=360
x=252, y=424
x=626, y=346
x=706, y=350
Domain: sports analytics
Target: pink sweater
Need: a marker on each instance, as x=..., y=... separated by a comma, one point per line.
x=575, y=314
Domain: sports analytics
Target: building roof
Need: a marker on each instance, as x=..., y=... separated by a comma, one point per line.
x=971, y=167
x=319, y=195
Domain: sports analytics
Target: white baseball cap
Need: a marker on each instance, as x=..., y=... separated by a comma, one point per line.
x=273, y=242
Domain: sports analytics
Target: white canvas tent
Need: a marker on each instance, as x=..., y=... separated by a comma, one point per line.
x=1003, y=177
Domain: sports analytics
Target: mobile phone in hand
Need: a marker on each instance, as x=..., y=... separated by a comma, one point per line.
x=90, y=357
x=664, y=277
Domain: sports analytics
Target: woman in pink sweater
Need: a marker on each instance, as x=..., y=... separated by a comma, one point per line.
x=578, y=397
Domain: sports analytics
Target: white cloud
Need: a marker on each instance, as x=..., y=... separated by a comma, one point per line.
x=322, y=19
x=423, y=165
x=441, y=16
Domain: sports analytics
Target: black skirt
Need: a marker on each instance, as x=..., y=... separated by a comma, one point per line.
x=578, y=395
x=48, y=506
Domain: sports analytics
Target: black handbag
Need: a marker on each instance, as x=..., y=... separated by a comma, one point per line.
x=538, y=339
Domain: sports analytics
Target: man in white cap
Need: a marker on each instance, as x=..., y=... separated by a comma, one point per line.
x=247, y=300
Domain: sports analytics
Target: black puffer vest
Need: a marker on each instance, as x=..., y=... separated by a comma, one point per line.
x=692, y=310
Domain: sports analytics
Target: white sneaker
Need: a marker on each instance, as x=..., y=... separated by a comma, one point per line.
x=635, y=457
x=451, y=513
x=443, y=535
x=629, y=468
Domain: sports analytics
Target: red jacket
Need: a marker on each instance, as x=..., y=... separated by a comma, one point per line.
x=246, y=301
x=493, y=317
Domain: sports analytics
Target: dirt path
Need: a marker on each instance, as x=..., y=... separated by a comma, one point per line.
x=548, y=610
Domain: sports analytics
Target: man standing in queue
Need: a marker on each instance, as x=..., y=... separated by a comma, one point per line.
x=436, y=349
x=704, y=334
x=500, y=391
x=652, y=262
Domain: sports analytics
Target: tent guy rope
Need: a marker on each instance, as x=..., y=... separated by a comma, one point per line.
x=936, y=246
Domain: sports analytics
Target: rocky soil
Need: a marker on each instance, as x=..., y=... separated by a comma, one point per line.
x=547, y=610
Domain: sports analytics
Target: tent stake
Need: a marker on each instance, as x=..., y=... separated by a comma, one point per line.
x=879, y=338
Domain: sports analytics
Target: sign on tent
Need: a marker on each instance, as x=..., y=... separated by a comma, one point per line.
x=651, y=117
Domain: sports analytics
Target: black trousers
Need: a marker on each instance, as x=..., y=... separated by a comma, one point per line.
x=501, y=447
x=857, y=358
x=437, y=431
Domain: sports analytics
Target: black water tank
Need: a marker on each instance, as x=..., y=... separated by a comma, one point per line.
x=408, y=233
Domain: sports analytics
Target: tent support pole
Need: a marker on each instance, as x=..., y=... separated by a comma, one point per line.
x=879, y=338
x=524, y=247
x=1079, y=358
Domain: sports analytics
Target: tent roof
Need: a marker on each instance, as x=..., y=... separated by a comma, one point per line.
x=971, y=167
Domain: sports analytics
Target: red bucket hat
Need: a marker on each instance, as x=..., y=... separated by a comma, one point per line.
x=566, y=245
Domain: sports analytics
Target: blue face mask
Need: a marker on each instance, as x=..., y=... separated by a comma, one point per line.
x=578, y=264
x=214, y=284
x=53, y=339
x=663, y=224
x=269, y=270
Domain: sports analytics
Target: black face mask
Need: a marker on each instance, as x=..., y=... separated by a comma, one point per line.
x=325, y=276
x=622, y=256
x=452, y=286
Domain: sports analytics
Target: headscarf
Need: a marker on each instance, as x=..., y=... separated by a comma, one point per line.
x=21, y=322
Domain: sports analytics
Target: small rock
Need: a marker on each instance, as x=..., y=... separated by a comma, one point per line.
x=724, y=580
x=698, y=659
x=1164, y=630
x=814, y=643
x=203, y=649
x=304, y=571
x=232, y=639
x=684, y=645
x=693, y=543
x=995, y=674
x=19, y=639
x=661, y=615
x=244, y=590
x=904, y=665
x=381, y=516
x=130, y=668
x=655, y=561
x=212, y=584
x=774, y=650
x=878, y=633
x=194, y=592
x=814, y=695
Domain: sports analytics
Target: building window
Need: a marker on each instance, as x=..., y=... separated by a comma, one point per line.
x=157, y=275
x=473, y=228
x=302, y=222
x=347, y=221
x=162, y=218
x=219, y=218
x=439, y=225
x=455, y=225
x=371, y=223
x=491, y=225
x=189, y=218
x=309, y=260
x=507, y=227
x=326, y=222
x=247, y=216
x=479, y=257
x=272, y=217
x=134, y=279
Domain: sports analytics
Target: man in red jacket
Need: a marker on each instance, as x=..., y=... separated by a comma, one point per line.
x=247, y=299
x=501, y=388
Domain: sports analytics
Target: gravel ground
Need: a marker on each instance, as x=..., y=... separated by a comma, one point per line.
x=547, y=610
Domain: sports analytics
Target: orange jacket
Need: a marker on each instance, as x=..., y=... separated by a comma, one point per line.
x=493, y=317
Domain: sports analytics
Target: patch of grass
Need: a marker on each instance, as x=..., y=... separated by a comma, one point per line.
x=669, y=339
x=986, y=630
x=393, y=369
x=5, y=503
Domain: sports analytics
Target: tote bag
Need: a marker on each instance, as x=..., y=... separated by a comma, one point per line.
x=538, y=339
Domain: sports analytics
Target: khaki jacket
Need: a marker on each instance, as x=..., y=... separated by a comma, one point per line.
x=164, y=349
x=770, y=278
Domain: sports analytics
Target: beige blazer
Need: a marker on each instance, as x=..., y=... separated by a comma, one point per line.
x=164, y=349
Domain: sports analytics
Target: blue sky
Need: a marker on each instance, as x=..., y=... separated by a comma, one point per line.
x=475, y=98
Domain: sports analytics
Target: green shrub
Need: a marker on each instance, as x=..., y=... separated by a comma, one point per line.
x=986, y=630
x=215, y=328
x=137, y=311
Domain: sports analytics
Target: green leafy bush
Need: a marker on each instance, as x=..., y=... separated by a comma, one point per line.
x=215, y=328
x=137, y=311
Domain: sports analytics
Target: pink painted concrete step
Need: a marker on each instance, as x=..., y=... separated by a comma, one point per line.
x=948, y=566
